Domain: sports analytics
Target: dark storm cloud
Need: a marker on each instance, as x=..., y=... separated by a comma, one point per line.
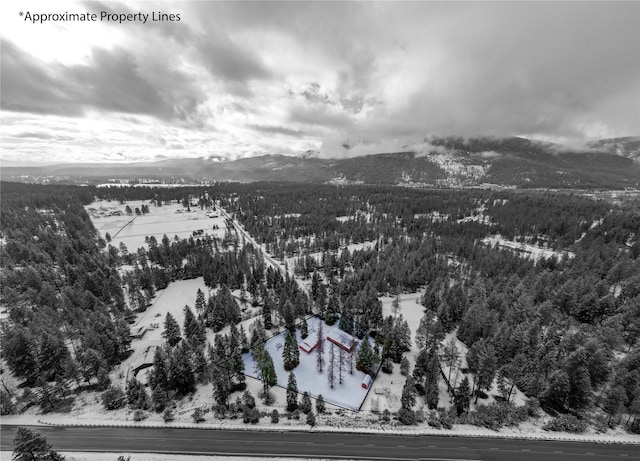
x=226, y=59
x=27, y=85
x=111, y=81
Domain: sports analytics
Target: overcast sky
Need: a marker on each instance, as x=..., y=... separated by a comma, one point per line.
x=237, y=79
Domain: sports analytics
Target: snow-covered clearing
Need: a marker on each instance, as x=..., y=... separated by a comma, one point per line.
x=170, y=300
x=526, y=250
x=172, y=219
x=349, y=394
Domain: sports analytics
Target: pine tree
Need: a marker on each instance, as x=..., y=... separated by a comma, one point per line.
x=290, y=352
x=244, y=342
x=365, y=359
x=181, y=375
x=171, y=332
x=304, y=329
x=320, y=405
x=158, y=378
x=450, y=356
x=311, y=419
x=32, y=446
x=341, y=364
x=193, y=329
x=264, y=367
x=320, y=348
x=267, y=307
x=408, y=398
x=404, y=366
x=462, y=398
x=137, y=397
x=305, y=403
x=200, y=302
x=158, y=398
x=292, y=393
x=221, y=387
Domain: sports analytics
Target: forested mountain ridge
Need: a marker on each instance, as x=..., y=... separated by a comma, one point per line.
x=447, y=162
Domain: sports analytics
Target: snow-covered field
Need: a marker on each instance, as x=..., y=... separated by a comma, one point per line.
x=350, y=394
x=172, y=220
x=526, y=250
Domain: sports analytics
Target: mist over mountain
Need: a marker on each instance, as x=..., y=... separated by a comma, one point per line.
x=447, y=161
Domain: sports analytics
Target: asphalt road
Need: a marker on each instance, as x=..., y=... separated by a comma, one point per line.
x=320, y=445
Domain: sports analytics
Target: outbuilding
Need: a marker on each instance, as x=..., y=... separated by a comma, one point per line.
x=341, y=339
x=366, y=382
x=309, y=344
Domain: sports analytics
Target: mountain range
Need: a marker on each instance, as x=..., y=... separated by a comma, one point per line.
x=450, y=161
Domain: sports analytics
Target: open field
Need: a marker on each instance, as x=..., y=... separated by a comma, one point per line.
x=170, y=220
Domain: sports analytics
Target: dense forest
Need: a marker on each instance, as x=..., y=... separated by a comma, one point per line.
x=563, y=329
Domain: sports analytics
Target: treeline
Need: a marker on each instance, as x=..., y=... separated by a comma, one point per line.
x=66, y=303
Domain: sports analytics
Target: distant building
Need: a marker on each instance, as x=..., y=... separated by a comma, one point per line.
x=341, y=339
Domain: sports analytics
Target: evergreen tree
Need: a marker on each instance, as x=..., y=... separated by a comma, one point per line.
x=408, y=398
x=267, y=308
x=181, y=375
x=290, y=352
x=331, y=377
x=450, y=356
x=292, y=393
x=320, y=348
x=193, y=329
x=137, y=397
x=200, y=302
x=158, y=378
x=320, y=405
x=462, y=398
x=304, y=329
x=365, y=359
x=305, y=403
x=221, y=387
x=244, y=342
x=158, y=398
x=32, y=446
x=311, y=419
x=264, y=367
x=171, y=333
x=404, y=366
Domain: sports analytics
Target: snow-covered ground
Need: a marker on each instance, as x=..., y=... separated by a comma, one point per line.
x=93, y=456
x=172, y=220
x=526, y=250
x=349, y=394
x=169, y=300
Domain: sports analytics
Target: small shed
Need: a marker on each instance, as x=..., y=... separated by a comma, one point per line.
x=138, y=331
x=310, y=343
x=366, y=382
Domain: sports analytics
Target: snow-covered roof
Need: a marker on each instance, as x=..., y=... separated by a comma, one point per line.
x=340, y=337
